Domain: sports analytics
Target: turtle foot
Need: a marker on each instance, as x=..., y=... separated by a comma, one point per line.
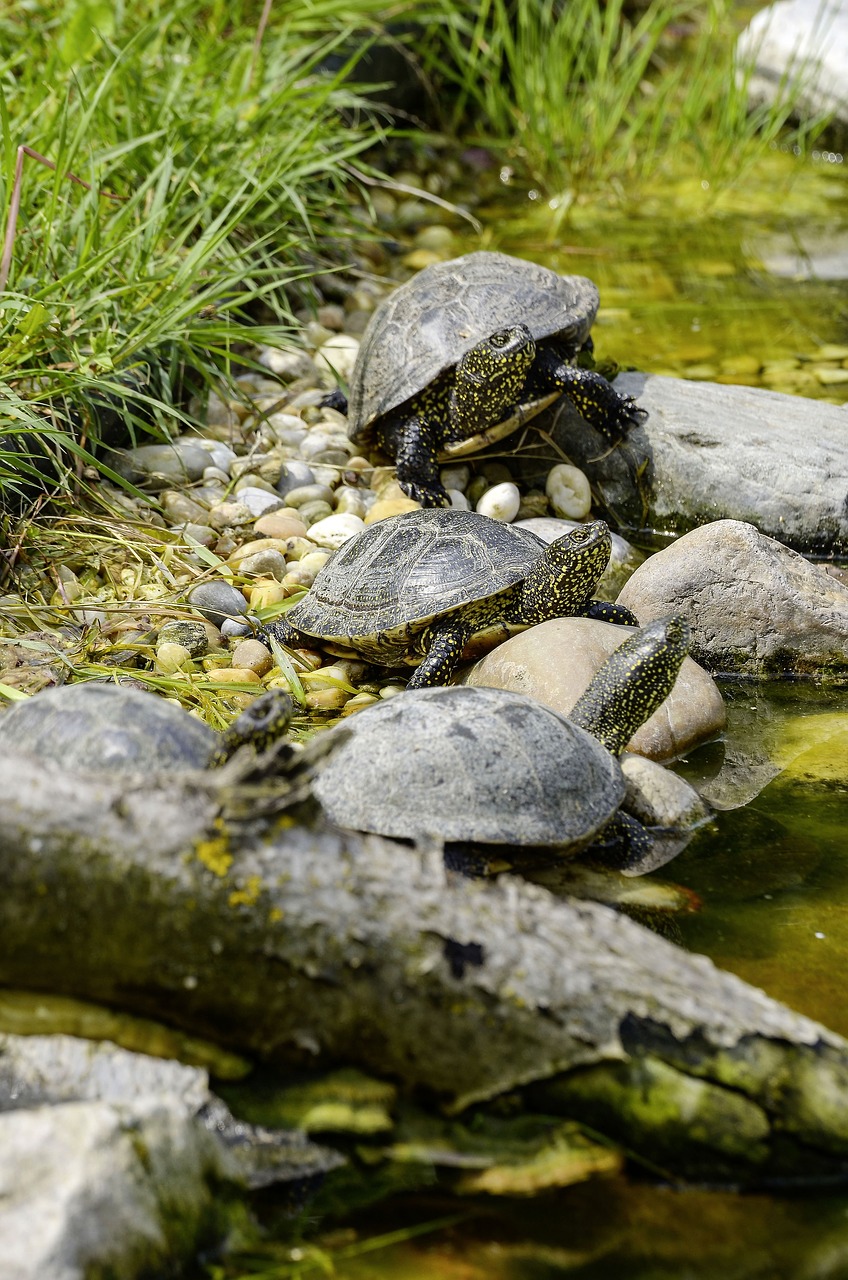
x=435, y=496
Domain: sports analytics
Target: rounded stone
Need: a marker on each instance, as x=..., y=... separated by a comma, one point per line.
x=335, y=530
x=555, y=661
x=217, y=601
x=184, y=631
x=569, y=492
x=270, y=563
x=252, y=655
x=298, y=497
x=259, y=502
x=279, y=525
x=172, y=657
x=385, y=507
x=501, y=502
x=295, y=474
x=338, y=355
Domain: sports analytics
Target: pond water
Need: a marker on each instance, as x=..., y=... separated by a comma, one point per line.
x=748, y=289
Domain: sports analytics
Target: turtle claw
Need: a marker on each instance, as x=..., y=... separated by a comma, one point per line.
x=428, y=497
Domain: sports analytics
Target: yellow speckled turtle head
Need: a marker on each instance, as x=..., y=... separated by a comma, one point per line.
x=563, y=579
x=632, y=683
x=259, y=725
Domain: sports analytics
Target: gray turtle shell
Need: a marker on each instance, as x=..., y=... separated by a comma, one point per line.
x=476, y=764
x=108, y=728
x=426, y=325
x=411, y=568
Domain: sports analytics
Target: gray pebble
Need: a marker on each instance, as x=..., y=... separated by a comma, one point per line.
x=308, y=493
x=217, y=601
x=295, y=475
x=259, y=502
x=270, y=563
x=160, y=465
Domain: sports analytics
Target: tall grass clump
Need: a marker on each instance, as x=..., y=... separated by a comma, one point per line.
x=214, y=172
x=588, y=95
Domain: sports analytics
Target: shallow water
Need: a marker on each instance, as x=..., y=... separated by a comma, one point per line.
x=751, y=289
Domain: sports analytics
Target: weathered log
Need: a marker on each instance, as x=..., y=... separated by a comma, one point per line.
x=206, y=901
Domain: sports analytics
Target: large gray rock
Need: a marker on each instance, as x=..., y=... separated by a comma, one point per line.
x=709, y=451
x=105, y=1189
x=555, y=661
x=797, y=52
x=754, y=606
x=159, y=466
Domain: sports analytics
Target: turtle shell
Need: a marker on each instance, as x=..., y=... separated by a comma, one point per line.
x=401, y=573
x=106, y=728
x=426, y=325
x=461, y=763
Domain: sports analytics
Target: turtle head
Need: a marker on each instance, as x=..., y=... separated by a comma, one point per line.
x=634, y=680
x=489, y=379
x=562, y=579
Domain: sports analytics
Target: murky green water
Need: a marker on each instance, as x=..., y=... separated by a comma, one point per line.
x=752, y=290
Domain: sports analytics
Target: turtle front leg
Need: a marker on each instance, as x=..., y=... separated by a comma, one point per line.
x=443, y=655
x=606, y=611
x=593, y=397
x=415, y=447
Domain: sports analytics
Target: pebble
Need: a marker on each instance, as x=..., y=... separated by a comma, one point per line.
x=186, y=632
x=287, y=364
x=233, y=675
x=231, y=627
x=569, y=492
x=304, y=493
x=316, y=510
x=458, y=500
x=264, y=594
x=271, y=563
x=258, y=501
x=335, y=530
x=229, y=515
x=385, y=507
x=172, y=657
x=501, y=502
x=148, y=463
x=252, y=655
x=294, y=475
x=179, y=508
x=338, y=356
x=280, y=524
x=217, y=601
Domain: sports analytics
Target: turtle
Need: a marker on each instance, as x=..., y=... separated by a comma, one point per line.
x=427, y=587
x=464, y=353
x=491, y=766
x=115, y=728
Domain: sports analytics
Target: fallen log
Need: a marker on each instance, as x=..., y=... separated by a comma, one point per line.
x=232, y=909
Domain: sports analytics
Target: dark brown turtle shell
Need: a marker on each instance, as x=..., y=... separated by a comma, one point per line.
x=426, y=325
x=399, y=574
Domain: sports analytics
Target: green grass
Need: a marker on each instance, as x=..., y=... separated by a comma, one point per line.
x=595, y=100
x=213, y=167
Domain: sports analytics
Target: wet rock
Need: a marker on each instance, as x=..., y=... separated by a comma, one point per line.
x=97, y=1187
x=799, y=51
x=217, y=601
x=555, y=661
x=158, y=466
x=754, y=606
x=658, y=797
x=710, y=451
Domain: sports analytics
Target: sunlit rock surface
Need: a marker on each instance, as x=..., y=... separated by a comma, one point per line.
x=754, y=606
